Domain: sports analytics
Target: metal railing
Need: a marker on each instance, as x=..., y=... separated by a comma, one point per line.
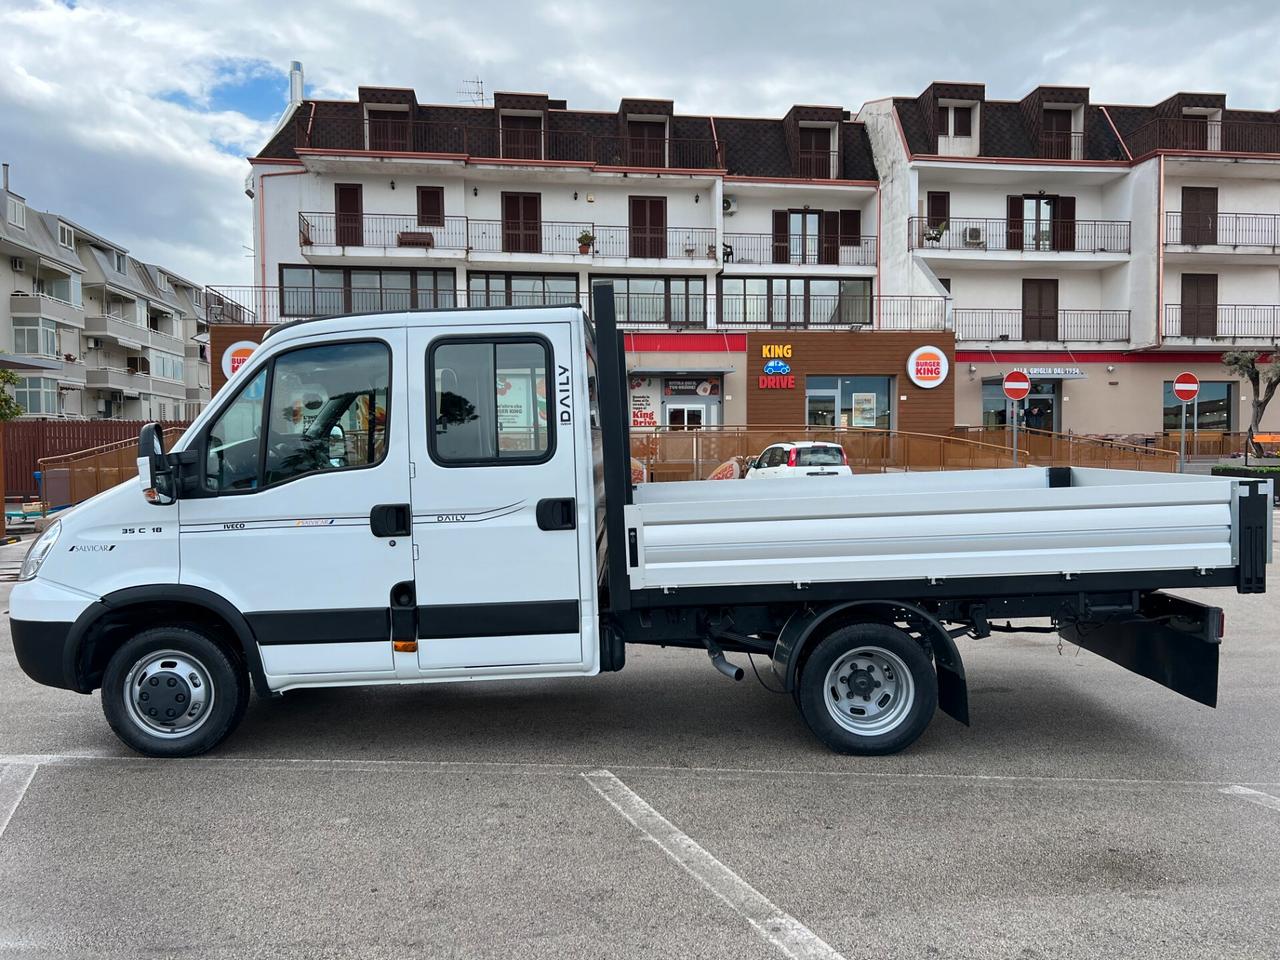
x=380, y=230
x=980, y=234
x=765, y=248
x=75, y=477
x=817, y=164
x=998, y=323
x=673, y=243
x=1226, y=321
x=831, y=311
x=489, y=142
x=1044, y=448
x=1062, y=145
x=1226, y=229
x=1188, y=133
x=505, y=236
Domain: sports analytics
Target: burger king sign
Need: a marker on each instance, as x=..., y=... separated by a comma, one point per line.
x=927, y=367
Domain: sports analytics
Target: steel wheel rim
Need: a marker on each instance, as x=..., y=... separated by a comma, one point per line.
x=858, y=706
x=168, y=694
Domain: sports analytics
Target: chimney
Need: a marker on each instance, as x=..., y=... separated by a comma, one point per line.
x=295, y=83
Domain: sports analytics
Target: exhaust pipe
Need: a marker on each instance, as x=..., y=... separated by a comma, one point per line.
x=720, y=663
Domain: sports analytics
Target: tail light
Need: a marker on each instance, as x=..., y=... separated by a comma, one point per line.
x=793, y=458
x=844, y=457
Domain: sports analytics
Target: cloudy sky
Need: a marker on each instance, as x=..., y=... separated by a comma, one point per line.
x=133, y=117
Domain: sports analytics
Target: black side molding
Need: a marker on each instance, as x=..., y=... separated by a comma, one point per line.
x=448, y=621
x=1255, y=507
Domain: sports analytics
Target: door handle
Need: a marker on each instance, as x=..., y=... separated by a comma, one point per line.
x=391, y=520
x=557, y=514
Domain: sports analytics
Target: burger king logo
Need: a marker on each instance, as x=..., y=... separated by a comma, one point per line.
x=236, y=356
x=927, y=367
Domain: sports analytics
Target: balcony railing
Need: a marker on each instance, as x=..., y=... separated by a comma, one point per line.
x=115, y=328
x=489, y=143
x=380, y=230
x=43, y=305
x=980, y=235
x=1062, y=145
x=764, y=248
x=404, y=231
x=1226, y=321
x=1189, y=133
x=1224, y=229
x=817, y=164
x=638, y=310
x=117, y=379
x=992, y=324
x=831, y=312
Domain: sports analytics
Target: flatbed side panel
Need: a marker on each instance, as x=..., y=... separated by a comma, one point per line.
x=1173, y=641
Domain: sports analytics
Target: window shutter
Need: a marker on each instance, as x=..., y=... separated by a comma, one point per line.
x=964, y=121
x=1013, y=225
x=431, y=206
x=850, y=228
x=829, y=237
x=944, y=121
x=1064, y=223
x=780, y=238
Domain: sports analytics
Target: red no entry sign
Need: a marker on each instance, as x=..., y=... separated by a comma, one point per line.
x=1017, y=385
x=1186, y=386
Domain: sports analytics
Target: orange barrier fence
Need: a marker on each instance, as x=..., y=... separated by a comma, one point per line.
x=75, y=477
x=1071, y=450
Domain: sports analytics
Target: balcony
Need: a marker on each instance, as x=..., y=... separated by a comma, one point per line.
x=117, y=330
x=1183, y=134
x=831, y=312
x=1257, y=233
x=389, y=230
x=489, y=143
x=817, y=164
x=1061, y=145
x=105, y=378
x=42, y=305
x=165, y=341
x=763, y=248
x=1259, y=323
x=989, y=235
x=989, y=325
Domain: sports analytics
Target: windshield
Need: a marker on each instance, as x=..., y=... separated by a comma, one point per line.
x=819, y=457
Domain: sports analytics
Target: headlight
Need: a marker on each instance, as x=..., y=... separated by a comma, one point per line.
x=39, y=550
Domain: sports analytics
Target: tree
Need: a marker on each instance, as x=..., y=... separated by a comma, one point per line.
x=9, y=407
x=1263, y=373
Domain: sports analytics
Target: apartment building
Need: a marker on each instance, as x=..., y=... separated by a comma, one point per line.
x=1101, y=248
x=94, y=332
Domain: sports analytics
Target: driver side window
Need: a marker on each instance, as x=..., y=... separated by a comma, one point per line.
x=324, y=409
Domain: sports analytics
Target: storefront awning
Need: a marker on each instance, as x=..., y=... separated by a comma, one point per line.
x=679, y=371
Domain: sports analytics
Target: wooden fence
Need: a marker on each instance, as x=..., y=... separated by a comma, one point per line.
x=75, y=477
x=26, y=442
x=1071, y=450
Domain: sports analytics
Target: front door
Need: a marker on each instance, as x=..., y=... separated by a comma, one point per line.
x=1055, y=135
x=648, y=227
x=1039, y=309
x=301, y=519
x=521, y=223
x=1199, y=305
x=497, y=514
x=1199, y=215
x=348, y=201
x=646, y=143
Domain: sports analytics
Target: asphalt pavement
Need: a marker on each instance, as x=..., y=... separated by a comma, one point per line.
x=660, y=812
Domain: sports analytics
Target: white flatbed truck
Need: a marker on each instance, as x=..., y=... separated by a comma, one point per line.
x=446, y=496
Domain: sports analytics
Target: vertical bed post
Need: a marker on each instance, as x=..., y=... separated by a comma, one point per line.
x=615, y=437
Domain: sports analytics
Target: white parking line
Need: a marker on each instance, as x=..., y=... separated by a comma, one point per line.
x=14, y=780
x=781, y=929
x=1253, y=796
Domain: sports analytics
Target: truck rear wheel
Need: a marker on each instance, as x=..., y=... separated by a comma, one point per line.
x=868, y=688
x=173, y=692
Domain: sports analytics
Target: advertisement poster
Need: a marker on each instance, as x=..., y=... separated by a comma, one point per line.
x=644, y=402
x=692, y=387
x=864, y=410
x=521, y=411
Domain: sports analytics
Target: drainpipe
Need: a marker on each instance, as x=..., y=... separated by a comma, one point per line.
x=6, y=178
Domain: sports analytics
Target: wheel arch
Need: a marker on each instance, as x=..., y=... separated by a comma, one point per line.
x=104, y=625
x=806, y=627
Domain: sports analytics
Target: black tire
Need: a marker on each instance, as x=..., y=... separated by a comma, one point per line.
x=225, y=681
x=814, y=698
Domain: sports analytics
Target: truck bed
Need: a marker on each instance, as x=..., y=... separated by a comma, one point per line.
x=1009, y=523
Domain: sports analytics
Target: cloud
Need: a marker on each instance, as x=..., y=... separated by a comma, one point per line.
x=135, y=117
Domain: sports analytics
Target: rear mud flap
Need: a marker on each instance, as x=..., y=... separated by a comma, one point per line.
x=1171, y=640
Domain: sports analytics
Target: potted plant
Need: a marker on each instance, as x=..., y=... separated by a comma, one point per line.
x=585, y=239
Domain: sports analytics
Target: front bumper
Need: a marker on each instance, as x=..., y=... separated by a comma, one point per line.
x=43, y=651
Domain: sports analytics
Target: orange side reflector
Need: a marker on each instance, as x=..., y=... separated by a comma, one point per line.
x=404, y=646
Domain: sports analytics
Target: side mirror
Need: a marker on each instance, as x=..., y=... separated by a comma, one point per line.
x=337, y=446
x=154, y=472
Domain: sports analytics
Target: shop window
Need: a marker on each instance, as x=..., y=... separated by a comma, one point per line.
x=854, y=401
x=1212, y=410
x=486, y=289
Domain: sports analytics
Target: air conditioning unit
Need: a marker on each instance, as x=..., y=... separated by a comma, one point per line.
x=973, y=236
x=102, y=405
x=729, y=205
x=93, y=343
x=17, y=265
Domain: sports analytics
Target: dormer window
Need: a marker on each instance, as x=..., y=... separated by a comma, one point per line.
x=162, y=282
x=955, y=121
x=1200, y=129
x=816, y=157
x=388, y=130
x=120, y=262
x=958, y=128
x=17, y=213
x=647, y=143
x=66, y=236
x=521, y=136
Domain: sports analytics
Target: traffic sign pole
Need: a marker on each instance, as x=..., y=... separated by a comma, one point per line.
x=1016, y=387
x=1186, y=388
x=1182, y=447
x=1016, y=418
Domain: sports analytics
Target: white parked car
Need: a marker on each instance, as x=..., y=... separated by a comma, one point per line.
x=805, y=458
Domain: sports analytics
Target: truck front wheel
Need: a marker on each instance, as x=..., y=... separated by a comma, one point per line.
x=173, y=692
x=867, y=688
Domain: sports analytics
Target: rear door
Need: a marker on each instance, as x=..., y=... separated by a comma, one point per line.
x=1199, y=215
x=1039, y=309
x=497, y=514
x=1199, y=305
x=348, y=201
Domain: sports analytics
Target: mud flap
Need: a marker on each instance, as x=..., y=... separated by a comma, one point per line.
x=1171, y=640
